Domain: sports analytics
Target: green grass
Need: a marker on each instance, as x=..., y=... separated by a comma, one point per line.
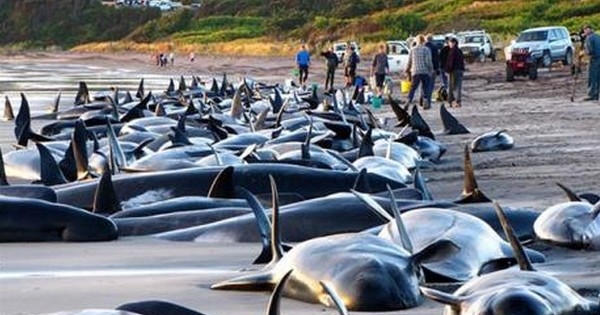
x=221, y=29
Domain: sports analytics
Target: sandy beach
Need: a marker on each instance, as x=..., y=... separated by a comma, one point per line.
x=555, y=141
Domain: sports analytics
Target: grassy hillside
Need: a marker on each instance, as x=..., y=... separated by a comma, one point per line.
x=64, y=23
x=246, y=26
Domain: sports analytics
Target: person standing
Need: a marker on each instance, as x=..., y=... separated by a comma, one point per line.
x=455, y=66
x=592, y=49
x=443, y=60
x=331, y=61
x=172, y=58
x=303, y=62
x=380, y=68
x=192, y=56
x=351, y=61
x=419, y=68
x=435, y=59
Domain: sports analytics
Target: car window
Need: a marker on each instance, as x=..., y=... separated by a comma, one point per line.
x=565, y=34
x=532, y=36
x=473, y=39
x=552, y=35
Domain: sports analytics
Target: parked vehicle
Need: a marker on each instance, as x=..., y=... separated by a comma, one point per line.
x=476, y=45
x=546, y=45
x=398, y=53
x=340, y=49
x=521, y=63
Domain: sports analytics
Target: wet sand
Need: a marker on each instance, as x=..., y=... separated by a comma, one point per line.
x=555, y=140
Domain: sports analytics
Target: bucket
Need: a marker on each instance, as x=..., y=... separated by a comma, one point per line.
x=295, y=72
x=376, y=102
x=405, y=86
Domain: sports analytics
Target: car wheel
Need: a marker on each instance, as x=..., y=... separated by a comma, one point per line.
x=510, y=74
x=568, y=58
x=546, y=60
x=481, y=56
x=533, y=72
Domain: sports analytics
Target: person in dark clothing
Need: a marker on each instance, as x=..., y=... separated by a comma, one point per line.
x=592, y=49
x=380, y=68
x=435, y=58
x=331, y=61
x=351, y=61
x=443, y=59
x=455, y=67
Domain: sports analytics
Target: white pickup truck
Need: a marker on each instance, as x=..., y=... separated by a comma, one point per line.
x=397, y=51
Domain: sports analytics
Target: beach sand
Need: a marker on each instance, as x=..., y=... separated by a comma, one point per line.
x=555, y=140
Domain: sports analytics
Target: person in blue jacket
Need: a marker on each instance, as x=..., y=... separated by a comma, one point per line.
x=303, y=62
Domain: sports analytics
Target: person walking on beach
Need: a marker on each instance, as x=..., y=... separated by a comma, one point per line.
x=172, y=58
x=351, y=61
x=303, y=62
x=192, y=56
x=420, y=68
x=331, y=61
x=380, y=68
x=592, y=49
x=455, y=67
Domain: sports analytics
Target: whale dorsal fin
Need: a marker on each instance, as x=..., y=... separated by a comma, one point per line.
x=3, y=180
x=500, y=132
x=402, y=231
x=335, y=298
x=78, y=143
x=276, y=248
x=159, y=110
x=83, y=94
x=421, y=185
x=23, y=123
x=520, y=254
x=362, y=182
x=54, y=108
x=274, y=302
x=50, y=172
x=182, y=84
x=450, y=123
x=596, y=210
x=171, y=87
x=570, y=193
x=140, y=91
x=259, y=123
x=366, y=145
x=8, y=110
x=471, y=192
x=442, y=297
x=417, y=122
x=373, y=205
x=222, y=186
x=105, y=198
x=264, y=226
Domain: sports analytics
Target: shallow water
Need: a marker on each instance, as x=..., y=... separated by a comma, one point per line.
x=40, y=81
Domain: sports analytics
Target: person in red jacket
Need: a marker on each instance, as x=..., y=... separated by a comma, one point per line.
x=455, y=67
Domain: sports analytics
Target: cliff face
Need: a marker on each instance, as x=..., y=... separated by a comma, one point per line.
x=66, y=22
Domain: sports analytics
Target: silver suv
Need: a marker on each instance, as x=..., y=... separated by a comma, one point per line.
x=546, y=45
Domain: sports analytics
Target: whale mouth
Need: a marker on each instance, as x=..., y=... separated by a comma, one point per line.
x=44, y=274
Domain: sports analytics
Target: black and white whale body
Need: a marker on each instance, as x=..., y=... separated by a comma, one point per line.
x=306, y=182
x=523, y=291
x=32, y=220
